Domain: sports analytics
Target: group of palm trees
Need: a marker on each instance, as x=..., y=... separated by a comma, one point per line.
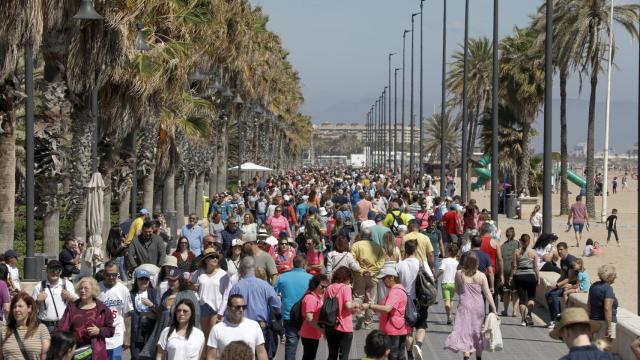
x=166, y=115
x=581, y=44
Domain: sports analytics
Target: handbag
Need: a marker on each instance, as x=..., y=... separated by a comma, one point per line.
x=83, y=353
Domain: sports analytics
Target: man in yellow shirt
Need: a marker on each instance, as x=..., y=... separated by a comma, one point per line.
x=396, y=217
x=136, y=226
x=425, y=249
x=370, y=257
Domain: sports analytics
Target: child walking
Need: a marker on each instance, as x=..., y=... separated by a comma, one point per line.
x=447, y=270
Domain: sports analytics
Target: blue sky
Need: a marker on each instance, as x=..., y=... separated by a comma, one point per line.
x=340, y=49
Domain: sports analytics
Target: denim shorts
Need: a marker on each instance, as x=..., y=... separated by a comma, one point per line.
x=578, y=227
x=206, y=310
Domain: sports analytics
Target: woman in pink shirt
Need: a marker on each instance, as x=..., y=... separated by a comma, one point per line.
x=310, y=332
x=340, y=336
x=423, y=215
x=278, y=222
x=315, y=258
x=392, y=309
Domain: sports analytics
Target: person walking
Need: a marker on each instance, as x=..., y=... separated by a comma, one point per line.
x=186, y=259
x=535, y=219
x=392, y=312
x=230, y=232
x=525, y=276
x=52, y=296
x=612, y=226
x=146, y=248
x=312, y=301
x=447, y=271
x=117, y=298
x=341, y=256
x=23, y=337
x=89, y=319
x=471, y=285
x=213, y=285
x=578, y=213
x=194, y=233
x=181, y=340
x=291, y=287
x=340, y=336
x=146, y=304
x=509, y=294
x=370, y=258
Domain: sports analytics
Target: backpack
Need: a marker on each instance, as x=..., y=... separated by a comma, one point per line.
x=296, y=317
x=426, y=292
x=410, y=311
x=397, y=221
x=347, y=219
x=328, y=317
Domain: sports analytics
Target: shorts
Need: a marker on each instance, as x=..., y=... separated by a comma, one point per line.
x=578, y=227
x=536, y=229
x=423, y=314
x=526, y=285
x=448, y=291
x=206, y=310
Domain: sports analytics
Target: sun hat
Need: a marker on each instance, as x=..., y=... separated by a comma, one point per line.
x=367, y=224
x=249, y=237
x=328, y=204
x=402, y=228
x=572, y=316
x=142, y=273
x=170, y=261
x=263, y=233
x=387, y=271
x=323, y=212
x=208, y=253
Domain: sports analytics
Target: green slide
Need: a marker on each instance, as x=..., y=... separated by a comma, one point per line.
x=571, y=176
x=482, y=173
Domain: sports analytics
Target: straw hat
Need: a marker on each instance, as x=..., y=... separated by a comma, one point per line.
x=170, y=261
x=571, y=316
x=208, y=253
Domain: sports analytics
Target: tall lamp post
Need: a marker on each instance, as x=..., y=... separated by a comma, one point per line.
x=421, y=152
x=390, y=142
x=494, y=119
x=443, y=99
x=402, y=141
x=383, y=136
x=237, y=101
x=411, y=114
x=463, y=177
x=395, y=121
x=548, y=120
x=605, y=172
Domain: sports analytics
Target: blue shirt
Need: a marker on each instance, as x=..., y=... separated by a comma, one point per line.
x=583, y=280
x=291, y=286
x=301, y=211
x=598, y=293
x=195, y=235
x=259, y=296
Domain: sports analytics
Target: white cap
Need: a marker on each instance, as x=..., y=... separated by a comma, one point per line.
x=387, y=271
x=236, y=242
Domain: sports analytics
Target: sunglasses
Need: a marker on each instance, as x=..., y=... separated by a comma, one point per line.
x=193, y=219
x=238, y=307
x=324, y=286
x=209, y=243
x=233, y=223
x=283, y=244
x=186, y=243
x=185, y=311
x=111, y=275
x=55, y=270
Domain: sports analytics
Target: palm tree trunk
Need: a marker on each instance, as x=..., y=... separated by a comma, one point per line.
x=124, y=206
x=8, y=104
x=525, y=165
x=148, y=187
x=223, y=158
x=564, y=186
x=169, y=191
x=199, y=180
x=51, y=232
x=191, y=193
x=591, y=208
x=83, y=134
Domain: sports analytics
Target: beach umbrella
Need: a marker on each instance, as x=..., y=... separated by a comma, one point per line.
x=95, y=217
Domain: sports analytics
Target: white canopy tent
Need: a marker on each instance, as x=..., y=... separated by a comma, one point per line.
x=249, y=166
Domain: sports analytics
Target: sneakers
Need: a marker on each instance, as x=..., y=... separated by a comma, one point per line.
x=529, y=320
x=552, y=324
x=359, y=323
x=448, y=320
x=417, y=352
x=523, y=323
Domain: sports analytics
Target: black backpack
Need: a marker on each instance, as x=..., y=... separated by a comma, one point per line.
x=328, y=317
x=426, y=292
x=410, y=311
x=296, y=317
x=397, y=221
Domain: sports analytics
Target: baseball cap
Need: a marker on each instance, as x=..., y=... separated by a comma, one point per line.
x=53, y=264
x=236, y=242
x=283, y=234
x=387, y=271
x=142, y=273
x=174, y=274
x=10, y=253
x=144, y=211
x=379, y=217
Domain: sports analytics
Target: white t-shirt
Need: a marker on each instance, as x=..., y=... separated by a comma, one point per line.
x=224, y=333
x=47, y=311
x=214, y=290
x=118, y=300
x=137, y=301
x=15, y=276
x=536, y=220
x=179, y=347
x=449, y=266
x=408, y=271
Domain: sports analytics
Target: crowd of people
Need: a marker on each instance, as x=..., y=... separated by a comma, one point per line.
x=293, y=260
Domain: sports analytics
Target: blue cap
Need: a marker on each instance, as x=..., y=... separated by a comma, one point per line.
x=283, y=234
x=10, y=253
x=144, y=211
x=142, y=273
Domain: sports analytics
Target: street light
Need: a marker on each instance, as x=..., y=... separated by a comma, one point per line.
x=548, y=121
x=395, y=121
x=413, y=125
x=384, y=130
x=87, y=11
x=238, y=101
x=402, y=141
x=421, y=152
x=443, y=99
x=389, y=105
x=494, y=120
x=463, y=175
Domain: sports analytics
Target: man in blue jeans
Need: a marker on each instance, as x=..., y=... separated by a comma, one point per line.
x=291, y=287
x=554, y=295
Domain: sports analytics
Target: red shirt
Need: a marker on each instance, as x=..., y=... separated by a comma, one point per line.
x=449, y=220
x=489, y=250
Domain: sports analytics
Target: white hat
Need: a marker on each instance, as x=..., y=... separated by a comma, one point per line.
x=387, y=271
x=236, y=242
x=367, y=224
x=305, y=197
x=323, y=212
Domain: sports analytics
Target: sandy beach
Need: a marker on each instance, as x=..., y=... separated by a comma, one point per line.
x=624, y=258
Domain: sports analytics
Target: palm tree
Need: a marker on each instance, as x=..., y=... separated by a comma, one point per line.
x=589, y=44
x=522, y=87
x=453, y=129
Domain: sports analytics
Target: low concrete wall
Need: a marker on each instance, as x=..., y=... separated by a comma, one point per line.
x=627, y=329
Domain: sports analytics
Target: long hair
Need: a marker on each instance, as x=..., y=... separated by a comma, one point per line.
x=61, y=343
x=535, y=211
x=174, y=318
x=470, y=265
x=388, y=243
x=32, y=318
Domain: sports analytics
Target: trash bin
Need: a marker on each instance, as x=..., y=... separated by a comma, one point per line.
x=512, y=204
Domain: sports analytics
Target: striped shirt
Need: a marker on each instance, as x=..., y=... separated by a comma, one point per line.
x=33, y=345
